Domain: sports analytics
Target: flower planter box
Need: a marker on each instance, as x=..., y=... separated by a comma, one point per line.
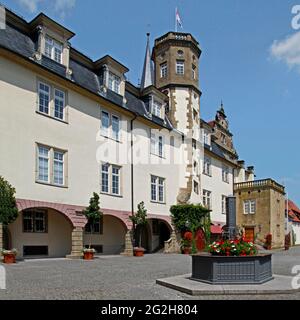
x=233, y=269
x=9, y=258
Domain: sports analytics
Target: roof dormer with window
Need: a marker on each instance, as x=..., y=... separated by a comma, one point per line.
x=112, y=74
x=155, y=101
x=52, y=45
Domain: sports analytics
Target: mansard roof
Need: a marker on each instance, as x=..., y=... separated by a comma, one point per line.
x=18, y=39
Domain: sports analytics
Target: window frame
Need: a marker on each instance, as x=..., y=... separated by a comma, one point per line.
x=207, y=166
x=54, y=45
x=225, y=173
x=207, y=199
x=109, y=133
x=110, y=176
x=223, y=204
x=248, y=205
x=51, y=160
x=33, y=219
x=60, y=99
x=159, y=184
x=180, y=67
x=164, y=70
x=97, y=222
x=114, y=82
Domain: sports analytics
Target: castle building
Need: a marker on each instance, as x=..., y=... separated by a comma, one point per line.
x=71, y=126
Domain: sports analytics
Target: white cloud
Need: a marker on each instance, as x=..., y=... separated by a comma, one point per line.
x=62, y=7
x=30, y=5
x=288, y=50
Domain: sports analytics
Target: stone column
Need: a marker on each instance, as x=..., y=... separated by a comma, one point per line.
x=77, y=244
x=128, y=245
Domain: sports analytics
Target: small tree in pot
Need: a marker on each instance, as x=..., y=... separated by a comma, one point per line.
x=93, y=214
x=8, y=214
x=139, y=219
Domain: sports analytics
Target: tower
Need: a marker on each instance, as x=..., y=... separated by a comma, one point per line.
x=176, y=59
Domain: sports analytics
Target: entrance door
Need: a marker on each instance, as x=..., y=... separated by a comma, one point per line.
x=249, y=234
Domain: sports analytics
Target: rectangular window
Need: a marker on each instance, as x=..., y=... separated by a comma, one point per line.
x=114, y=82
x=157, y=189
x=157, y=145
x=207, y=199
x=156, y=108
x=104, y=178
x=44, y=98
x=164, y=70
x=207, y=166
x=58, y=168
x=196, y=187
x=153, y=189
x=115, y=180
x=161, y=191
x=59, y=104
x=111, y=179
x=206, y=137
x=194, y=72
x=95, y=228
x=43, y=164
x=115, y=124
x=110, y=126
x=180, y=67
x=53, y=49
x=225, y=174
x=224, y=204
x=249, y=206
x=104, y=123
x=35, y=221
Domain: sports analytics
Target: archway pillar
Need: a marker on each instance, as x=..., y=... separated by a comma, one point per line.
x=128, y=251
x=77, y=243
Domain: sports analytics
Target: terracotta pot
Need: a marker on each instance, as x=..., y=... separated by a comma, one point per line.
x=139, y=252
x=88, y=255
x=9, y=258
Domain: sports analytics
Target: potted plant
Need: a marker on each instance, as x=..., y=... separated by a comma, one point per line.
x=9, y=256
x=186, y=242
x=92, y=213
x=8, y=212
x=139, y=219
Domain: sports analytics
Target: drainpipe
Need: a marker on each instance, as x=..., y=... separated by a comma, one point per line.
x=131, y=165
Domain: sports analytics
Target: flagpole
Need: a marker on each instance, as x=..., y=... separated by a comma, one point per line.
x=176, y=19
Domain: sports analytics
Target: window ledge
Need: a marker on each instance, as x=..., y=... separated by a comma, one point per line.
x=112, y=139
x=51, y=117
x=51, y=184
x=111, y=195
x=157, y=155
x=157, y=202
x=208, y=175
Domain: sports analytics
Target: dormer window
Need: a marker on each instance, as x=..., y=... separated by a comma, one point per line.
x=53, y=49
x=114, y=82
x=156, y=108
x=223, y=138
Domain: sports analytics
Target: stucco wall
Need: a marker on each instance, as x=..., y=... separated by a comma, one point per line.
x=218, y=187
x=58, y=237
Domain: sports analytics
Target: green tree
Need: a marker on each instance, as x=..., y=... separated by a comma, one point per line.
x=139, y=219
x=8, y=206
x=93, y=213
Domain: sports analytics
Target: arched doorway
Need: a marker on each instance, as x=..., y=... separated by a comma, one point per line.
x=41, y=232
x=108, y=237
x=143, y=233
x=160, y=232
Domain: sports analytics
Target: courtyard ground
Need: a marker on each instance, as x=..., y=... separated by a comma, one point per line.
x=117, y=277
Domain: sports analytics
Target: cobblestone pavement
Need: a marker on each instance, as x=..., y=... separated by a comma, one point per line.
x=116, y=277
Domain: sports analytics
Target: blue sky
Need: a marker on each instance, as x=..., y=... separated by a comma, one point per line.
x=250, y=60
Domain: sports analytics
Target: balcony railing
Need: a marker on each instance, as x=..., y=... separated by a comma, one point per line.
x=259, y=184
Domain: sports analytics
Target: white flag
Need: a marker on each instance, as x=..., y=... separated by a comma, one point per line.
x=178, y=19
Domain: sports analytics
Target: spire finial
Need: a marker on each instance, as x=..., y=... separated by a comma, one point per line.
x=148, y=71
